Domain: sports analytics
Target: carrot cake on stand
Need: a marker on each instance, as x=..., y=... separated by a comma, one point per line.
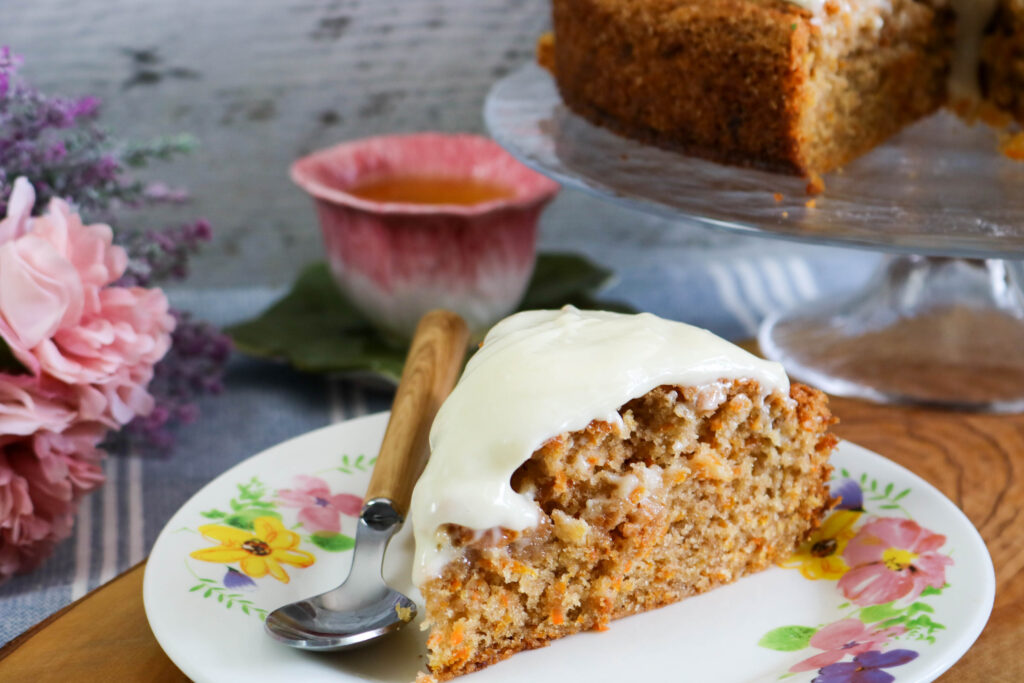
x=797, y=86
x=592, y=465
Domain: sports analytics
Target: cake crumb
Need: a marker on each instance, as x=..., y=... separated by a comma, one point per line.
x=404, y=613
x=424, y=678
x=785, y=214
x=1012, y=146
x=778, y=197
x=546, y=51
x=815, y=185
x=811, y=203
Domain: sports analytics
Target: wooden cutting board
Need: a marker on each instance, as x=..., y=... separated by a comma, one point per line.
x=976, y=460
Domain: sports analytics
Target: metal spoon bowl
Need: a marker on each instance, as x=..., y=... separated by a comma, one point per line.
x=363, y=608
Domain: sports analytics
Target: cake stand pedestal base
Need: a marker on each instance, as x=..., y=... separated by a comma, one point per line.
x=944, y=332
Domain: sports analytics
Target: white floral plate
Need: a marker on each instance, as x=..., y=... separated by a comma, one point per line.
x=896, y=586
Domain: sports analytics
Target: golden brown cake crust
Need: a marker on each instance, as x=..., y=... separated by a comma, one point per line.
x=699, y=488
x=749, y=82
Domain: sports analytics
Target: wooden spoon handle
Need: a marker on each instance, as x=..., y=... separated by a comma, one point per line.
x=431, y=368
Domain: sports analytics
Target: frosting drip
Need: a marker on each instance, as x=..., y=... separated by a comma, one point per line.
x=539, y=374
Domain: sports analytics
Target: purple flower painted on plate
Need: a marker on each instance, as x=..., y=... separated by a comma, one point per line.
x=893, y=559
x=852, y=496
x=865, y=668
x=237, y=581
x=320, y=509
x=844, y=638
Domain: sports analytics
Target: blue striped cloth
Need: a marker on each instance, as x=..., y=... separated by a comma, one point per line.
x=726, y=289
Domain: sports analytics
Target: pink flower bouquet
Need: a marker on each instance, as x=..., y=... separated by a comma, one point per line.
x=77, y=355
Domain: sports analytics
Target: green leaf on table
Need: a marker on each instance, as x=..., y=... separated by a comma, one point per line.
x=316, y=329
x=788, y=638
x=332, y=542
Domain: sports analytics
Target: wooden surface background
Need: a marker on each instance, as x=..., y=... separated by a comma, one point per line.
x=976, y=460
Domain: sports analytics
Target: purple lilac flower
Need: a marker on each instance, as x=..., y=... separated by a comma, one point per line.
x=865, y=667
x=852, y=496
x=192, y=367
x=161, y=255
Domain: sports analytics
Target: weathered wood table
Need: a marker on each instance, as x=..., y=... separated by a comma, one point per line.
x=976, y=460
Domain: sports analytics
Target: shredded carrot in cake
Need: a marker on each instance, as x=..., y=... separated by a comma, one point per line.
x=633, y=520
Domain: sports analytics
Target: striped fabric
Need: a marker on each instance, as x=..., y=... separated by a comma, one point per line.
x=726, y=291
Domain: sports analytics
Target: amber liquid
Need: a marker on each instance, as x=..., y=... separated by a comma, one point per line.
x=422, y=190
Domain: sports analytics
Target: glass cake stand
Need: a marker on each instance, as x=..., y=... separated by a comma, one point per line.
x=942, y=320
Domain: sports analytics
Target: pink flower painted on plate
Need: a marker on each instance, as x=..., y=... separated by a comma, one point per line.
x=320, y=509
x=842, y=638
x=893, y=559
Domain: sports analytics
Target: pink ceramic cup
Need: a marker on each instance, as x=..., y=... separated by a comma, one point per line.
x=396, y=261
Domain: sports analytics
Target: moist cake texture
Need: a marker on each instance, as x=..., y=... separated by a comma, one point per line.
x=764, y=83
x=1001, y=72
x=682, y=487
x=796, y=86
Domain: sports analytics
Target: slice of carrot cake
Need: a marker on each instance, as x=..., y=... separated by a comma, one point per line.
x=592, y=465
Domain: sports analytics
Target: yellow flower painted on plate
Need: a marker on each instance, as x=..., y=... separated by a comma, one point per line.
x=821, y=555
x=259, y=552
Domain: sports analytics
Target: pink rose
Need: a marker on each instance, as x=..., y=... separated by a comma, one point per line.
x=89, y=249
x=64, y=321
x=90, y=348
x=28, y=409
x=40, y=291
x=19, y=210
x=114, y=350
x=42, y=479
x=52, y=267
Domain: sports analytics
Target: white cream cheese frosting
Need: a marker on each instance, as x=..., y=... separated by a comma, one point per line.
x=537, y=375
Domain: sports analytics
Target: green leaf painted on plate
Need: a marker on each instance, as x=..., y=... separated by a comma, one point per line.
x=332, y=542
x=316, y=329
x=875, y=613
x=244, y=518
x=787, y=638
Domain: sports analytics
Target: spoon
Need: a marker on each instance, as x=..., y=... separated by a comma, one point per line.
x=364, y=608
